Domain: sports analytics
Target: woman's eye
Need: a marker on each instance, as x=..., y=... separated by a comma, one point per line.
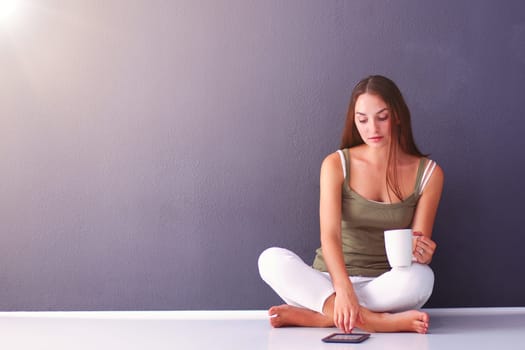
x=382, y=117
x=362, y=121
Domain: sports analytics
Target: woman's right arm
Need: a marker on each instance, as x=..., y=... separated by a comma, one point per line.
x=346, y=305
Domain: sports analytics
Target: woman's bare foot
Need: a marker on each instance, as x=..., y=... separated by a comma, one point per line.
x=290, y=316
x=408, y=321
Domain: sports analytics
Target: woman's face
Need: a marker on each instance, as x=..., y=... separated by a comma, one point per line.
x=373, y=120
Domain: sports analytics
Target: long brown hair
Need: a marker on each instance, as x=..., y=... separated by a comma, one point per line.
x=401, y=126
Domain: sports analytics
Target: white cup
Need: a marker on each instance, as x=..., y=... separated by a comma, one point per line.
x=398, y=244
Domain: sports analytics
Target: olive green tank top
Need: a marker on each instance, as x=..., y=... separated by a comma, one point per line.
x=363, y=224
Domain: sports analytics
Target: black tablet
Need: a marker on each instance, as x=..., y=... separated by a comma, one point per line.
x=346, y=338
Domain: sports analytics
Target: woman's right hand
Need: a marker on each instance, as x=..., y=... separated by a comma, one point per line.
x=346, y=309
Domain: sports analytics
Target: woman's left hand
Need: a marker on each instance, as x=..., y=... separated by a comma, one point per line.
x=424, y=248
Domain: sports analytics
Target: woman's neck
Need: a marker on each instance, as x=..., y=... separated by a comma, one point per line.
x=376, y=156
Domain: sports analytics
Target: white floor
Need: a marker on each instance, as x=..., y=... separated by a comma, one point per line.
x=487, y=328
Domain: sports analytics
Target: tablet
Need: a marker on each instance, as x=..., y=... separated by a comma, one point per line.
x=346, y=338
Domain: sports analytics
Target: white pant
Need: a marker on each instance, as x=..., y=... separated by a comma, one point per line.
x=300, y=285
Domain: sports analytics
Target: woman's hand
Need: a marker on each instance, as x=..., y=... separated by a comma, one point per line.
x=424, y=248
x=346, y=310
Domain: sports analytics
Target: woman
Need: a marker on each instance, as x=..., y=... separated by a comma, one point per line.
x=378, y=180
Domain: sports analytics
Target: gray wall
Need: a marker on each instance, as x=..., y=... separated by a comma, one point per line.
x=150, y=150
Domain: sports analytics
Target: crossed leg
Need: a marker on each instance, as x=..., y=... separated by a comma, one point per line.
x=407, y=321
x=286, y=273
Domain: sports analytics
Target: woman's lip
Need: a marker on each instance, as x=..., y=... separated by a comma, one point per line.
x=375, y=138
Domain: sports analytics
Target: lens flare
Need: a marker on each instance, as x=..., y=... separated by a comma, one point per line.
x=7, y=9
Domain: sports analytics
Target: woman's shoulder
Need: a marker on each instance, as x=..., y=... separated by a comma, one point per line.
x=331, y=160
x=432, y=173
x=336, y=157
x=431, y=164
x=437, y=171
x=332, y=164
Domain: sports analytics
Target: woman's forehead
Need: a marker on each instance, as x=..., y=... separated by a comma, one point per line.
x=370, y=104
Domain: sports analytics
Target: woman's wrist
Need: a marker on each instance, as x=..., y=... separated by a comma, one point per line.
x=343, y=286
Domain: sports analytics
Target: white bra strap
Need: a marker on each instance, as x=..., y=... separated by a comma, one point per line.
x=429, y=169
x=343, y=163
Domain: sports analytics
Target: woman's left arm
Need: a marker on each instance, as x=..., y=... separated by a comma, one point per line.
x=424, y=217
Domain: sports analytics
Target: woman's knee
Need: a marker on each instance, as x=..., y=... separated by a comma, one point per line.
x=424, y=278
x=420, y=284
x=400, y=290
x=270, y=262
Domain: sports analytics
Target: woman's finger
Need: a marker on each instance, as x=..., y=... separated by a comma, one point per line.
x=348, y=317
x=353, y=318
x=339, y=323
x=342, y=322
x=427, y=242
x=425, y=251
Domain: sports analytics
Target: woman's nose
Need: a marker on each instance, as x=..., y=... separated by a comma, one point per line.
x=375, y=125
